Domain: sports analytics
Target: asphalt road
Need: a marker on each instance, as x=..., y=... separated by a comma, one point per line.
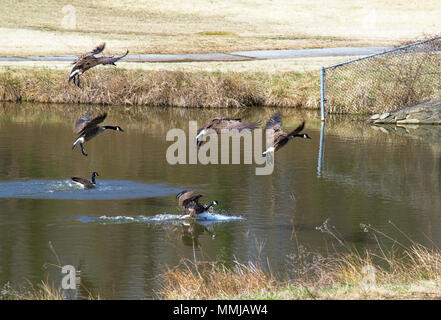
x=233, y=56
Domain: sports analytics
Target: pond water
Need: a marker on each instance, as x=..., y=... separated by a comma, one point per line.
x=124, y=233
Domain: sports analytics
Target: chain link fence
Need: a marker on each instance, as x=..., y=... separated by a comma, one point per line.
x=387, y=81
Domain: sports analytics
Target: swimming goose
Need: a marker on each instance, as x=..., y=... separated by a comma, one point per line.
x=88, y=60
x=86, y=184
x=275, y=136
x=88, y=128
x=219, y=124
x=188, y=201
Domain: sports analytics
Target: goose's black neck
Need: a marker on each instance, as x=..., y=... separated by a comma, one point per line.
x=93, y=179
x=110, y=127
x=207, y=207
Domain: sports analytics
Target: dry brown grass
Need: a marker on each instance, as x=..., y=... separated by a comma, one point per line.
x=42, y=291
x=200, y=280
x=168, y=26
x=163, y=88
x=413, y=272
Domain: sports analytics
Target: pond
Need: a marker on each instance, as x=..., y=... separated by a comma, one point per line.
x=128, y=230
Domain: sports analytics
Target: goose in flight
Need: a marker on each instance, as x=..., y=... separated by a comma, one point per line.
x=219, y=124
x=276, y=138
x=88, y=60
x=88, y=128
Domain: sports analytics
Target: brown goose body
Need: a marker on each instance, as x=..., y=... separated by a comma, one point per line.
x=189, y=203
x=219, y=124
x=86, y=183
x=88, y=60
x=88, y=128
x=276, y=137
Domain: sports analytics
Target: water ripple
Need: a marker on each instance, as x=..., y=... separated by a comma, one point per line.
x=66, y=189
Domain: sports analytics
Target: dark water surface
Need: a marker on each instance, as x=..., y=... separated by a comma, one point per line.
x=123, y=234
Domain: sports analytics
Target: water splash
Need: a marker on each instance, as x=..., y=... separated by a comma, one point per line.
x=204, y=219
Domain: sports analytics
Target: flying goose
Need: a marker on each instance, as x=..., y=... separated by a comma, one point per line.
x=276, y=138
x=88, y=128
x=86, y=184
x=219, y=124
x=88, y=60
x=188, y=201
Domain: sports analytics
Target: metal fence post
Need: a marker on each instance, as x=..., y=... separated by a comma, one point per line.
x=321, y=150
x=322, y=92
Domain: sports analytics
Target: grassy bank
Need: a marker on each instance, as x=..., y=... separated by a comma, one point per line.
x=412, y=272
x=163, y=88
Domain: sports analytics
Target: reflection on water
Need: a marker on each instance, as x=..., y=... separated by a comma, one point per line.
x=122, y=234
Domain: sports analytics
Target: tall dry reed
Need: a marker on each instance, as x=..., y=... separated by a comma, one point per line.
x=161, y=88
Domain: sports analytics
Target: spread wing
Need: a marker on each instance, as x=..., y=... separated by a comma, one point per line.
x=241, y=125
x=81, y=123
x=194, y=198
x=85, y=123
x=95, y=51
x=274, y=123
x=110, y=60
x=188, y=197
x=273, y=129
x=298, y=129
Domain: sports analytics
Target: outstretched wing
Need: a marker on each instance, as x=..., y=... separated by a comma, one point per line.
x=188, y=197
x=95, y=51
x=110, y=60
x=85, y=123
x=81, y=123
x=273, y=129
x=274, y=123
x=242, y=125
x=297, y=130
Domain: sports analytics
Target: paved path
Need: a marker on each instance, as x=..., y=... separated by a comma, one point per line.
x=233, y=56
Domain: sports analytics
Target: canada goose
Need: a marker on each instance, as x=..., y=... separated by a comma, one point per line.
x=188, y=201
x=88, y=128
x=276, y=138
x=88, y=60
x=86, y=184
x=219, y=124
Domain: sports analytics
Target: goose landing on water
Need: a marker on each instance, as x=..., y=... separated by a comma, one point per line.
x=219, y=124
x=86, y=184
x=88, y=128
x=88, y=60
x=188, y=201
x=276, y=138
